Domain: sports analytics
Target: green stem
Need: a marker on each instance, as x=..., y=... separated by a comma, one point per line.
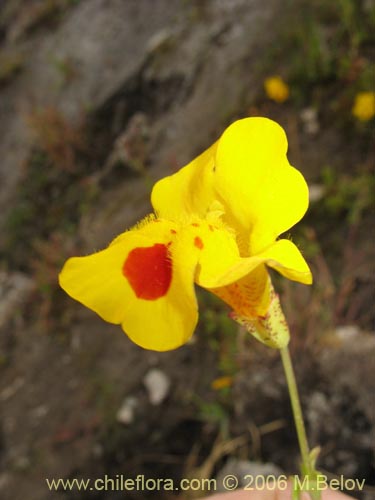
x=297, y=412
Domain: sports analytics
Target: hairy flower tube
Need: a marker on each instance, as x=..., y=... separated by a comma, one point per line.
x=216, y=224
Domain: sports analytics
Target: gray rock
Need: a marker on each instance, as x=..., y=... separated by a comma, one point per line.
x=108, y=52
x=347, y=332
x=316, y=192
x=15, y=288
x=126, y=413
x=344, y=413
x=309, y=117
x=180, y=48
x=157, y=384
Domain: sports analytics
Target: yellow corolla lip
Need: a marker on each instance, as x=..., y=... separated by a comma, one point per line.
x=248, y=173
x=144, y=281
x=283, y=256
x=264, y=195
x=217, y=223
x=189, y=191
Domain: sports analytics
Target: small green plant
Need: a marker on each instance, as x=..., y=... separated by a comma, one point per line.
x=348, y=195
x=213, y=412
x=327, y=43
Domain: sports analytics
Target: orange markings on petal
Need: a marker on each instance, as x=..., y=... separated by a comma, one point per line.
x=195, y=224
x=198, y=243
x=173, y=231
x=149, y=271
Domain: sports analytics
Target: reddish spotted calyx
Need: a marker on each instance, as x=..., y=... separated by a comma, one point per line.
x=149, y=271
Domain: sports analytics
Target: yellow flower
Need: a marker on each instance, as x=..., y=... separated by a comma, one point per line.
x=364, y=106
x=276, y=89
x=216, y=223
x=222, y=383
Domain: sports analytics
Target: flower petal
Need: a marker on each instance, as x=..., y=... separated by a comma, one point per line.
x=249, y=297
x=246, y=285
x=283, y=256
x=143, y=280
x=218, y=250
x=189, y=191
x=263, y=194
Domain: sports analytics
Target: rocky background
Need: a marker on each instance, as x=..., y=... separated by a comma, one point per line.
x=98, y=99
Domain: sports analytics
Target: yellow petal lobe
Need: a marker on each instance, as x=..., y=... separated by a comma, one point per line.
x=144, y=280
x=263, y=195
x=189, y=191
x=283, y=256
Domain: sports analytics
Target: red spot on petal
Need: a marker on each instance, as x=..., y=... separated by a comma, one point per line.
x=195, y=224
x=198, y=243
x=173, y=231
x=149, y=271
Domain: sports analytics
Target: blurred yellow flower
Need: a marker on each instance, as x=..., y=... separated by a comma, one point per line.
x=276, y=89
x=222, y=383
x=364, y=106
x=216, y=224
